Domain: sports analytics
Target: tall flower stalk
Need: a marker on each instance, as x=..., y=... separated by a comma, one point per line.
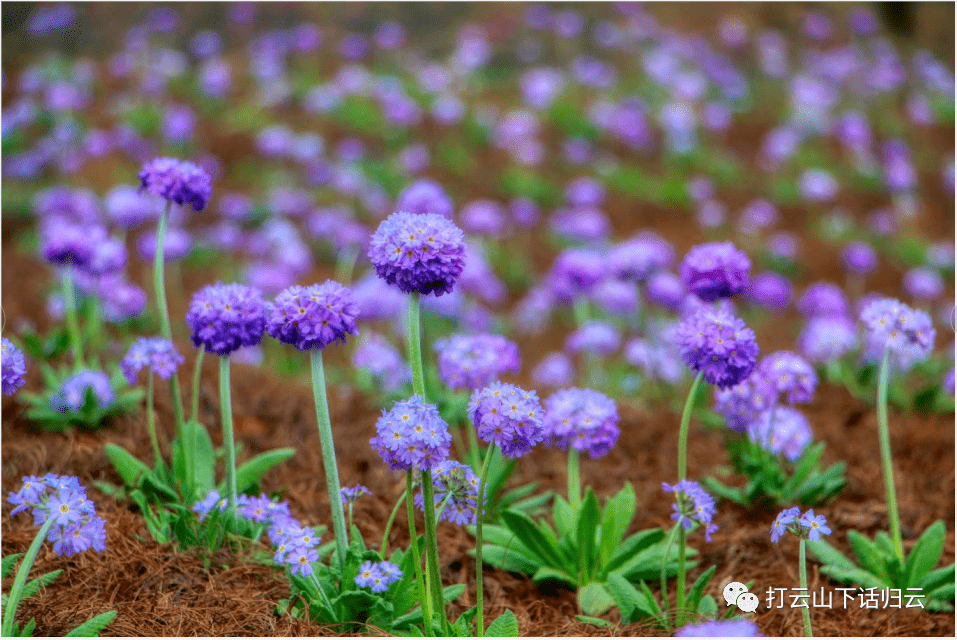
x=806, y=527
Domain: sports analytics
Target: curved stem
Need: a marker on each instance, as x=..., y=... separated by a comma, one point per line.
x=680, y=585
x=197, y=374
x=226, y=413
x=480, y=513
x=329, y=454
x=388, y=525
x=574, y=479
x=72, y=320
x=885, y=440
x=805, y=611
x=150, y=424
x=16, y=591
x=424, y=597
x=159, y=285
x=664, y=569
x=685, y=422
x=431, y=544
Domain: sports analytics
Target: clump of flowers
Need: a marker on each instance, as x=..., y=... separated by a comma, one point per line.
x=312, y=317
x=741, y=404
x=73, y=392
x=789, y=374
x=781, y=430
x=225, y=317
x=178, y=181
x=581, y=419
x=718, y=346
x=715, y=270
x=472, y=362
x=456, y=490
x=692, y=505
x=296, y=548
x=156, y=354
x=508, y=417
x=377, y=576
x=14, y=367
x=720, y=629
x=412, y=434
x=894, y=328
x=380, y=359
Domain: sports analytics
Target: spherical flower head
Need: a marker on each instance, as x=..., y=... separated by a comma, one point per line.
x=176, y=244
x=412, y=434
x=616, y=297
x=890, y=325
x=350, y=494
x=637, y=259
x=582, y=418
x=472, y=362
x=377, y=356
x=718, y=344
x=377, y=576
x=715, y=270
x=666, y=290
x=457, y=486
x=554, y=370
x=425, y=197
x=923, y=283
x=772, y=291
x=14, y=367
x=419, y=253
x=720, y=629
x=824, y=299
x=860, y=257
x=225, y=317
x=781, y=430
x=157, y=354
x=178, y=181
x=595, y=337
x=67, y=243
x=826, y=339
x=741, y=404
x=655, y=360
x=72, y=393
x=508, y=416
x=815, y=525
x=574, y=273
x=692, y=504
x=61, y=500
x=312, y=317
x=791, y=375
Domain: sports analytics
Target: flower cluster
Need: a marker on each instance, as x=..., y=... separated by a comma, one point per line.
x=582, y=418
x=807, y=526
x=509, y=417
x=596, y=337
x=260, y=510
x=715, y=270
x=472, y=362
x=719, y=344
x=62, y=500
x=295, y=546
x=412, y=435
x=376, y=355
x=890, y=325
x=312, y=317
x=178, y=181
x=457, y=486
x=789, y=374
x=826, y=339
x=419, y=253
x=720, y=629
x=741, y=404
x=157, y=354
x=351, y=494
x=377, y=576
x=638, y=258
x=72, y=393
x=13, y=366
x=225, y=317
x=692, y=504
x=781, y=430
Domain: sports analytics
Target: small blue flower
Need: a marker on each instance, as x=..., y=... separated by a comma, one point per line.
x=815, y=525
x=780, y=526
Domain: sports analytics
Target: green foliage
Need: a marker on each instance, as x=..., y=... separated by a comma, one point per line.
x=773, y=479
x=90, y=415
x=878, y=567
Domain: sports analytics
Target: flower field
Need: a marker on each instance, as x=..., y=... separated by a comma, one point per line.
x=476, y=319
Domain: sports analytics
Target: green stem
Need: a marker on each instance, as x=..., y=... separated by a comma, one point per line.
x=415, y=347
x=431, y=545
x=574, y=479
x=197, y=374
x=424, y=596
x=388, y=525
x=72, y=321
x=226, y=413
x=159, y=285
x=805, y=611
x=16, y=591
x=885, y=440
x=479, y=516
x=664, y=570
x=680, y=586
x=150, y=424
x=685, y=422
x=329, y=454
x=475, y=452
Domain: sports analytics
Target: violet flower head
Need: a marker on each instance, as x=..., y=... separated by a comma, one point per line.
x=383, y=362
x=715, y=270
x=948, y=382
x=692, y=504
x=666, y=290
x=741, y=404
x=66, y=243
x=860, y=257
x=225, y=317
x=412, y=435
x=178, y=181
x=781, y=430
x=484, y=218
x=656, y=360
x=73, y=391
x=377, y=576
x=472, y=362
x=62, y=500
x=824, y=299
x=127, y=208
x=789, y=374
x=14, y=367
x=425, y=196
x=554, y=370
x=176, y=244
x=458, y=483
x=783, y=521
x=771, y=291
x=826, y=339
x=582, y=418
x=509, y=417
x=815, y=525
x=351, y=494
x=720, y=629
x=574, y=273
x=595, y=336
x=638, y=258
x=890, y=325
x=312, y=317
x=616, y=298
x=719, y=344
x=923, y=283
x=156, y=354
x=419, y=253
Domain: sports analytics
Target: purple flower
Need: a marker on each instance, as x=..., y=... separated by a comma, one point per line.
x=595, y=337
x=637, y=259
x=692, y=504
x=484, y=218
x=72, y=393
x=818, y=186
x=62, y=500
x=412, y=435
x=781, y=522
x=472, y=362
x=781, y=430
x=65, y=243
x=616, y=298
x=815, y=525
x=425, y=196
x=719, y=629
x=301, y=559
x=377, y=576
x=225, y=317
x=377, y=356
x=771, y=291
x=509, y=417
x=923, y=283
x=719, y=344
x=459, y=484
x=788, y=373
x=586, y=225
x=741, y=404
x=419, y=253
x=825, y=339
x=178, y=181
x=890, y=325
x=666, y=290
x=948, y=382
x=351, y=494
x=860, y=257
x=14, y=367
x=312, y=317
x=554, y=370
x=715, y=270
x=574, y=273
x=581, y=418
x=157, y=354
x=656, y=360
x=128, y=208
x=176, y=244
x=824, y=299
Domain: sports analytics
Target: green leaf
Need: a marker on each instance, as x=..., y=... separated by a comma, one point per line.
x=697, y=589
x=130, y=468
x=632, y=546
x=855, y=576
x=92, y=627
x=618, y=514
x=504, y=626
x=9, y=563
x=563, y=516
x=589, y=517
x=828, y=555
x=33, y=587
x=204, y=458
x=724, y=491
x=708, y=607
x=539, y=540
x=594, y=599
x=251, y=472
x=937, y=578
x=869, y=555
x=601, y=623
x=510, y=559
x=925, y=555
x=627, y=598
x=548, y=573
